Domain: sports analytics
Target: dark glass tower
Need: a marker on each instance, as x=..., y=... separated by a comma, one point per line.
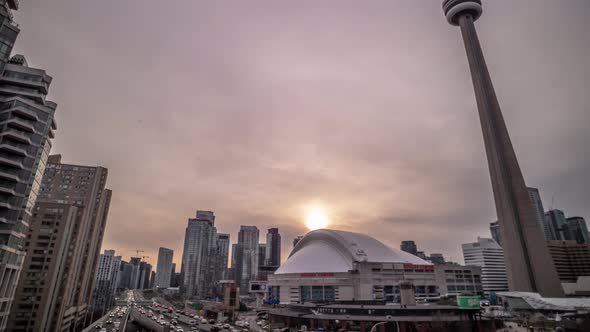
x=528, y=263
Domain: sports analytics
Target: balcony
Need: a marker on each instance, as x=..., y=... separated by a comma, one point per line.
x=42, y=86
x=12, y=90
x=7, y=191
x=20, y=124
x=16, y=136
x=13, y=149
x=11, y=163
x=23, y=112
x=9, y=177
x=4, y=205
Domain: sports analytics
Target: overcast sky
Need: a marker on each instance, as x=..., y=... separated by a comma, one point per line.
x=257, y=109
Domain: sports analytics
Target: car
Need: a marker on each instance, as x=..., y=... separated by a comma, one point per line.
x=97, y=327
x=109, y=322
x=226, y=326
x=204, y=321
x=103, y=330
x=192, y=322
x=211, y=321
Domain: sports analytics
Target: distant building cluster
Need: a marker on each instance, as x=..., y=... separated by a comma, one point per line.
x=206, y=263
x=567, y=240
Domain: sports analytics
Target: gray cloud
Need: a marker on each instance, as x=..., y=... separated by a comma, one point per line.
x=255, y=109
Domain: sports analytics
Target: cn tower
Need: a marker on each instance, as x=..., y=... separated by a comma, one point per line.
x=528, y=263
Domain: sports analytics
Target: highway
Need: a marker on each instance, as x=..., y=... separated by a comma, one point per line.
x=115, y=323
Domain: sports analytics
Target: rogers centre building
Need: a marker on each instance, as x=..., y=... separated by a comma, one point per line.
x=330, y=265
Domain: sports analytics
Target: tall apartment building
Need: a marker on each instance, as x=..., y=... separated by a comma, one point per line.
x=247, y=256
x=556, y=225
x=164, y=268
x=135, y=276
x=222, y=256
x=27, y=126
x=578, y=229
x=296, y=240
x=273, y=247
x=535, y=197
x=105, y=284
x=487, y=254
x=84, y=188
x=38, y=299
x=261, y=254
x=495, y=231
x=571, y=259
x=410, y=247
x=124, y=278
x=145, y=273
x=199, y=243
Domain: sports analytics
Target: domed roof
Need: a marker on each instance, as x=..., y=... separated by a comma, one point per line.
x=327, y=250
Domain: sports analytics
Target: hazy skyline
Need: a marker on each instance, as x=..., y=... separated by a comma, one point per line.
x=255, y=110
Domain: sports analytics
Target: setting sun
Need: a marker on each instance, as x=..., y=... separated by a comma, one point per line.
x=317, y=218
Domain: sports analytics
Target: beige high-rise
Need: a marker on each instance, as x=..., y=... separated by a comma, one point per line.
x=82, y=187
x=45, y=273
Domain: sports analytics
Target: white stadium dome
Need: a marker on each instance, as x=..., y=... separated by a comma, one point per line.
x=333, y=251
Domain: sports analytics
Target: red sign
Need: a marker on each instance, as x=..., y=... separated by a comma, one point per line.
x=316, y=275
x=418, y=267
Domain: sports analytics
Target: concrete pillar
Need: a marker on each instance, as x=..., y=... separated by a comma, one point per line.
x=344, y=325
x=311, y=325
x=402, y=326
x=382, y=328
x=363, y=326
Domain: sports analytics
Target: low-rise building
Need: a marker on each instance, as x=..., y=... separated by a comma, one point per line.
x=455, y=279
x=571, y=259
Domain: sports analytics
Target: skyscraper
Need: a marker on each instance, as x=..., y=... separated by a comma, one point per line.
x=83, y=187
x=199, y=242
x=221, y=256
x=105, y=283
x=164, y=268
x=247, y=256
x=135, y=276
x=490, y=256
x=538, y=206
x=124, y=278
x=578, y=229
x=495, y=230
x=9, y=30
x=261, y=254
x=409, y=246
x=145, y=272
x=37, y=305
x=528, y=262
x=556, y=225
x=273, y=247
x=27, y=126
x=297, y=239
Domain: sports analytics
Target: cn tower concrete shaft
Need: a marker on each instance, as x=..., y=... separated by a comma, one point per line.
x=528, y=262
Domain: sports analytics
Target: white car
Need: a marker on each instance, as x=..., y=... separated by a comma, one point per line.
x=204, y=321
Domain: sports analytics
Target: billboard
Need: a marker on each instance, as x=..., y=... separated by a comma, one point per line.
x=468, y=302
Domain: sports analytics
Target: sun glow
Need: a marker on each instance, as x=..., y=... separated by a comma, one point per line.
x=316, y=218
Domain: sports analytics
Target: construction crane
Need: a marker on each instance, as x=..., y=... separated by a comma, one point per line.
x=144, y=257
